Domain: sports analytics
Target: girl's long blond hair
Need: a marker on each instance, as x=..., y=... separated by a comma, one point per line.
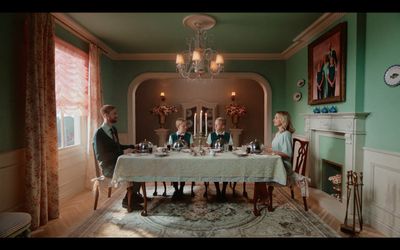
x=286, y=121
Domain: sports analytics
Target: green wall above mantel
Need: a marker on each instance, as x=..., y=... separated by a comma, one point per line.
x=372, y=46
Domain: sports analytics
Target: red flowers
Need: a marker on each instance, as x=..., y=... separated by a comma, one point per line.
x=235, y=109
x=163, y=110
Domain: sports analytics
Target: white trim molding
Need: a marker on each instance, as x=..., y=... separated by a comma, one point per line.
x=382, y=190
x=264, y=83
x=305, y=37
x=299, y=42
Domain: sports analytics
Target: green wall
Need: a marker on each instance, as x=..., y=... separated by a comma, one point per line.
x=332, y=149
x=382, y=50
x=297, y=68
x=11, y=79
x=70, y=38
x=11, y=64
x=117, y=75
x=372, y=45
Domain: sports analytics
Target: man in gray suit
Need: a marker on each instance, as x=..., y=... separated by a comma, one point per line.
x=107, y=149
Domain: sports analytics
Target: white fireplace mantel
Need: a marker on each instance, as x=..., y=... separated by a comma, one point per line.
x=350, y=126
x=347, y=126
x=348, y=123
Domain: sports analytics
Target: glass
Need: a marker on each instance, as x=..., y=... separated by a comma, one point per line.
x=230, y=147
x=169, y=147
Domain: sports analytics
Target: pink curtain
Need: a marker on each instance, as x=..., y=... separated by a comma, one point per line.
x=71, y=78
x=95, y=103
x=41, y=173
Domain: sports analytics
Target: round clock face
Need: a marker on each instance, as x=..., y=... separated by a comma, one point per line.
x=392, y=75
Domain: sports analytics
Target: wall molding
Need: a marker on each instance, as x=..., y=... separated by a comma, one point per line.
x=381, y=188
x=299, y=42
x=11, y=179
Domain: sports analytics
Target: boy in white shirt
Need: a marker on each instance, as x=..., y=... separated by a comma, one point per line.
x=225, y=138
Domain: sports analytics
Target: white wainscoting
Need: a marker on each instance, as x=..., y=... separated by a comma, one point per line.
x=382, y=190
x=72, y=171
x=11, y=180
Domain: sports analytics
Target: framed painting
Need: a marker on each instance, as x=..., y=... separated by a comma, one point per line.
x=327, y=66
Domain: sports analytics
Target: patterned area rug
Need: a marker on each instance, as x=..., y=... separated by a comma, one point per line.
x=197, y=217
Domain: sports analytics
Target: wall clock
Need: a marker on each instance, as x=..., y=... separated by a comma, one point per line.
x=392, y=76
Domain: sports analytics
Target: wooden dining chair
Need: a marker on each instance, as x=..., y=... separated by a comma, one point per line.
x=100, y=178
x=299, y=163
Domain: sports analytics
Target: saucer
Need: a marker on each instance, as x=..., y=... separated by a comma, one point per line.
x=161, y=154
x=241, y=154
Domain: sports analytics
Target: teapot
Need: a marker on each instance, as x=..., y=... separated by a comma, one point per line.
x=145, y=147
x=255, y=147
x=179, y=145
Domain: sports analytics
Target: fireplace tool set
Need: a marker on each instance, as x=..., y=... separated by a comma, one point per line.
x=354, y=185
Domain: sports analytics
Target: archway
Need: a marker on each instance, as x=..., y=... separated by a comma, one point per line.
x=250, y=76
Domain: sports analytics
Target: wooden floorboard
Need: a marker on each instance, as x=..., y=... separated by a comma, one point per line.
x=77, y=209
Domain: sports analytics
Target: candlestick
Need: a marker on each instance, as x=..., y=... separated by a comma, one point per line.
x=195, y=122
x=201, y=122
x=206, y=123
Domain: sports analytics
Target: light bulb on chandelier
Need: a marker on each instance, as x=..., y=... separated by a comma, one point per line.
x=199, y=62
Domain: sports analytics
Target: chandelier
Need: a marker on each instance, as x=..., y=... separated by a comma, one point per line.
x=199, y=62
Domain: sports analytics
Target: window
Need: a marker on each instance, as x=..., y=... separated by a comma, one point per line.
x=71, y=66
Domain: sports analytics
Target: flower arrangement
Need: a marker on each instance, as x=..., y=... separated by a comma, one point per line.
x=335, y=179
x=235, y=109
x=164, y=109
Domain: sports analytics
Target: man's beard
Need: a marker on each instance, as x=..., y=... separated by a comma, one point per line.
x=113, y=121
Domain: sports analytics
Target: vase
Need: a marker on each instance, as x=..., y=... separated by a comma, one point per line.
x=161, y=120
x=235, y=121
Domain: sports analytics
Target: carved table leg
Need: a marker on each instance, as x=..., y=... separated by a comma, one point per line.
x=260, y=191
x=155, y=189
x=205, y=192
x=270, y=190
x=244, y=190
x=129, y=189
x=165, y=189
x=144, y=212
x=233, y=188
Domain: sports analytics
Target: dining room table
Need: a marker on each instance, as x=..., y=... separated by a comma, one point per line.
x=202, y=165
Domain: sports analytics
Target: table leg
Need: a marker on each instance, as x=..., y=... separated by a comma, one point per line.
x=144, y=212
x=260, y=191
x=129, y=193
x=270, y=190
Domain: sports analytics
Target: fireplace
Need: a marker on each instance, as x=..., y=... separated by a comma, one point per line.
x=348, y=127
x=332, y=179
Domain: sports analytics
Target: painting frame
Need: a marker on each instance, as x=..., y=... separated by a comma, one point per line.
x=327, y=67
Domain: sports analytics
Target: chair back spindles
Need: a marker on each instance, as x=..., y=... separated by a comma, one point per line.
x=299, y=162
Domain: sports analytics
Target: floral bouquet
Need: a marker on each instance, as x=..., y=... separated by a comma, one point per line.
x=164, y=110
x=335, y=179
x=235, y=109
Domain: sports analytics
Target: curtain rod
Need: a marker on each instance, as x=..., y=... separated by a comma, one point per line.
x=78, y=33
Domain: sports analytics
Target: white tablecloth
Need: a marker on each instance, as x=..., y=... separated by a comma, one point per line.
x=179, y=166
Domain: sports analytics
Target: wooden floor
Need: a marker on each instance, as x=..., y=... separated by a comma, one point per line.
x=75, y=210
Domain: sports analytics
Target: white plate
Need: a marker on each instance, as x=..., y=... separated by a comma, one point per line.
x=241, y=154
x=160, y=154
